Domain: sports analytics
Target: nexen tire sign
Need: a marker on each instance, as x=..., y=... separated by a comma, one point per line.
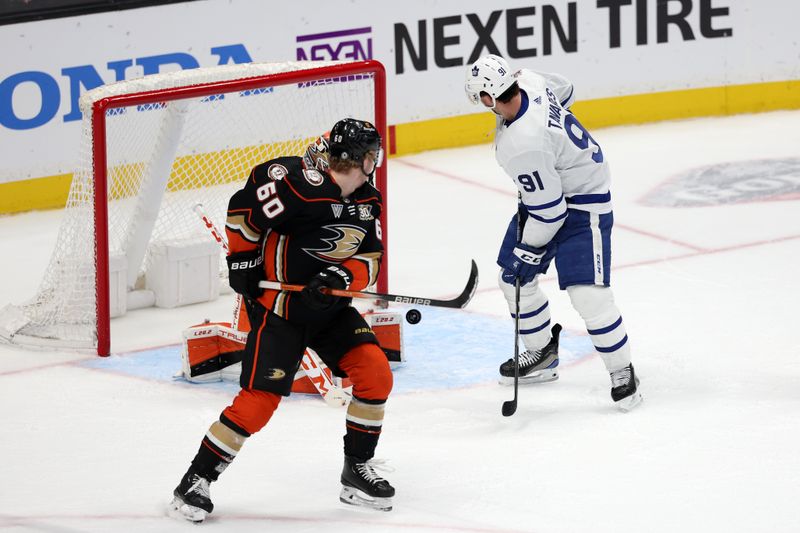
x=557, y=24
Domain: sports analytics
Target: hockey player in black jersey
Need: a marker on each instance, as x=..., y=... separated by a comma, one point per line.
x=311, y=220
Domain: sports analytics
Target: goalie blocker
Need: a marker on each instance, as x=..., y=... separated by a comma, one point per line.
x=212, y=352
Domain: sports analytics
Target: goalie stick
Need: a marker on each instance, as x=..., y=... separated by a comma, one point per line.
x=459, y=302
x=313, y=366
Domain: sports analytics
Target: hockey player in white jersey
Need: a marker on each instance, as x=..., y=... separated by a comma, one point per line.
x=564, y=213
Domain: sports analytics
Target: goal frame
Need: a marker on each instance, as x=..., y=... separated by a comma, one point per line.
x=100, y=110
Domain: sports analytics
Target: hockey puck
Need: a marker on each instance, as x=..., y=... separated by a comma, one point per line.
x=413, y=316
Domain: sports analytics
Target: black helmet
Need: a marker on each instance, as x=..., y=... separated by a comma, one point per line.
x=351, y=139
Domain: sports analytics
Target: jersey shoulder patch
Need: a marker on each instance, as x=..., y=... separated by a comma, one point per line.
x=307, y=184
x=277, y=169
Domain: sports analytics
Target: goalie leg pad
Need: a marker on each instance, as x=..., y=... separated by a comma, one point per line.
x=388, y=329
x=210, y=350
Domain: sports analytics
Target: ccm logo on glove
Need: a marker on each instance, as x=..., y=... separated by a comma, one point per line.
x=527, y=257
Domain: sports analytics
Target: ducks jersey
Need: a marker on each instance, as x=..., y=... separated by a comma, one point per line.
x=554, y=161
x=298, y=218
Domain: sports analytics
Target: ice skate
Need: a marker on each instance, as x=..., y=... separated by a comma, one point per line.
x=192, y=500
x=535, y=366
x=362, y=487
x=625, y=388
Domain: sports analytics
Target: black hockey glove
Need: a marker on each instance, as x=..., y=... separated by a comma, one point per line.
x=245, y=270
x=333, y=277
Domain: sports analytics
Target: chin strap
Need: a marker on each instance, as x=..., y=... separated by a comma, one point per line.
x=371, y=175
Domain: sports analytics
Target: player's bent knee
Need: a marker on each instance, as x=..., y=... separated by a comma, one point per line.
x=252, y=409
x=591, y=300
x=509, y=290
x=368, y=368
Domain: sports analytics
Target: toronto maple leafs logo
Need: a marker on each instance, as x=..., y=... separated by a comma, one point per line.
x=475, y=70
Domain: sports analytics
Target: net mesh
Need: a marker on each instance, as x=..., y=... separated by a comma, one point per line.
x=163, y=158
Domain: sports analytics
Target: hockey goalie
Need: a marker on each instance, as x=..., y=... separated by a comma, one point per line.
x=212, y=352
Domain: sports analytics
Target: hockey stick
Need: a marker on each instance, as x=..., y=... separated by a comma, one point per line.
x=510, y=406
x=313, y=366
x=459, y=302
x=201, y=212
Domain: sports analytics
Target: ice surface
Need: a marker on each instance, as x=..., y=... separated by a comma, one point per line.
x=707, y=293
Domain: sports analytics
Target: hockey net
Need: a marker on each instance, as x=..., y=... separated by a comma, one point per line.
x=155, y=147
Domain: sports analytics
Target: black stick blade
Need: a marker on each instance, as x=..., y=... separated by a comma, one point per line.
x=509, y=407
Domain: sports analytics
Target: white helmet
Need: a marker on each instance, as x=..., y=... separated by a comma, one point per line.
x=489, y=74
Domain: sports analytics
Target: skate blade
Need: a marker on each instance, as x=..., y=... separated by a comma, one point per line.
x=629, y=403
x=182, y=511
x=353, y=496
x=543, y=376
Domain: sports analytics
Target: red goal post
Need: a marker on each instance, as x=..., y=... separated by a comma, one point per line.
x=156, y=146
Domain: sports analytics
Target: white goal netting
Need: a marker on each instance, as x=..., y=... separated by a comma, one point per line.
x=163, y=157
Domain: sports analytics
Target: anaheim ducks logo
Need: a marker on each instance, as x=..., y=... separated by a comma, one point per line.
x=275, y=374
x=342, y=244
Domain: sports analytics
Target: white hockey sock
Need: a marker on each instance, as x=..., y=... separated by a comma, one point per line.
x=534, y=313
x=604, y=323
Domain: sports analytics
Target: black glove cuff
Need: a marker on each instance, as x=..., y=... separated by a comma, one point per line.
x=244, y=260
x=336, y=277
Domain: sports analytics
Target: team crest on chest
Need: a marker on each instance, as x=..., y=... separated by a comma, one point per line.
x=341, y=243
x=313, y=177
x=277, y=172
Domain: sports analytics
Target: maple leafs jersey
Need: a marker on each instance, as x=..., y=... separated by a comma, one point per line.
x=297, y=216
x=554, y=162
